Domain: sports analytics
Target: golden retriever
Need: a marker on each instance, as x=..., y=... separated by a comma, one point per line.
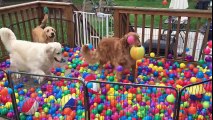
x=44, y=34
x=31, y=57
x=115, y=51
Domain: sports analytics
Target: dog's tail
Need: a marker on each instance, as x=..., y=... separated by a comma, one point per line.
x=44, y=21
x=7, y=36
x=90, y=56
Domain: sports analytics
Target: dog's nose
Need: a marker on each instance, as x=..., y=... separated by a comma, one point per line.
x=52, y=34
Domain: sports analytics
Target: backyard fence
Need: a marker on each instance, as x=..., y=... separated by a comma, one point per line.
x=165, y=31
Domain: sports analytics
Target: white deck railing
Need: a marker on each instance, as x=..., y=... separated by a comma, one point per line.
x=102, y=26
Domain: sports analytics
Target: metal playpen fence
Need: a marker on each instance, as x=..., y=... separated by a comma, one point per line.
x=114, y=98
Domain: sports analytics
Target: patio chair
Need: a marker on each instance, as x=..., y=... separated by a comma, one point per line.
x=175, y=4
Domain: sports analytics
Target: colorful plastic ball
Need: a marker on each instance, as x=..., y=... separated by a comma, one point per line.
x=182, y=65
x=170, y=98
x=90, y=46
x=30, y=106
x=208, y=58
x=4, y=92
x=152, y=54
x=193, y=79
x=130, y=39
x=164, y=2
x=65, y=54
x=209, y=44
x=192, y=110
x=187, y=49
x=206, y=104
x=170, y=56
x=200, y=75
x=119, y=68
x=67, y=111
x=10, y=91
x=207, y=51
x=89, y=85
x=137, y=53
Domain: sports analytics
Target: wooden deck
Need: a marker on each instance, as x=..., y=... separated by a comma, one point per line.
x=190, y=42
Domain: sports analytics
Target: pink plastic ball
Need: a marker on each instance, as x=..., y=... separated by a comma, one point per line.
x=10, y=114
x=207, y=51
x=210, y=44
x=131, y=39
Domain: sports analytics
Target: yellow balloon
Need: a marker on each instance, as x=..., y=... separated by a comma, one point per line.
x=137, y=53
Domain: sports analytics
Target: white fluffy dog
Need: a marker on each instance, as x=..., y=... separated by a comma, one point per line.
x=31, y=57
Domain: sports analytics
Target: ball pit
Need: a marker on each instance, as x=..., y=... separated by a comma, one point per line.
x=115, y=101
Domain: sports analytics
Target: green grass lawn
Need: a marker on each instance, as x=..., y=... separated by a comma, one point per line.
x=141, y=3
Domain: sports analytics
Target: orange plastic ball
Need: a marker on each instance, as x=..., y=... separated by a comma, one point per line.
x=192, y=110
x=32, y=90
x=33, y=95
x=67, y=111
x=4, y=92
x=191, y=66
x=108, y=86
x=65, y=54
x=139, y=97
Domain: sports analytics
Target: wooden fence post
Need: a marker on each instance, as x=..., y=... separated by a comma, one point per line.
x=68, y=13
x=117, y=23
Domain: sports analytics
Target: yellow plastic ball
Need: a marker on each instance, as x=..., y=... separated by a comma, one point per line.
x=130, y=96
x=160, y=69
x=182, y=65
x=137, y=53
x=17, y=101
x=193, y=79
x=95, y=104
x=152, y=54
x=129, y=102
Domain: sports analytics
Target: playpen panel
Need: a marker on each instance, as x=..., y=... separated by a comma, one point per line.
x=7, y=94
x=195, y=101
x=60, y=95
x=110, y=100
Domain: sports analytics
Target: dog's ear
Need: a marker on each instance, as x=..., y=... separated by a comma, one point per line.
x=50, y=49
x=124, y=40
x=54, y=30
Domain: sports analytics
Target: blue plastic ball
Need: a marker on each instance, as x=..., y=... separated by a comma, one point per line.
x=89, y=85
x=90, y=46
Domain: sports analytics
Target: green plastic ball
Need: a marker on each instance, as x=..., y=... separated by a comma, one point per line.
x=95, y=111
x=108, y=112
x=100, y=107
x=170, y=98
x=206, y=104
x=22, y=117
x=119, y=107
x=111, y=78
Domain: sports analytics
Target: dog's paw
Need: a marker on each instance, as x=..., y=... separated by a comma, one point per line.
x=17, y=76
x=38, y=79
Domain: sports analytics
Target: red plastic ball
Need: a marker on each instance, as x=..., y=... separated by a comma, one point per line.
x=207, y=51
x=210, y=44
x=164, y=2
